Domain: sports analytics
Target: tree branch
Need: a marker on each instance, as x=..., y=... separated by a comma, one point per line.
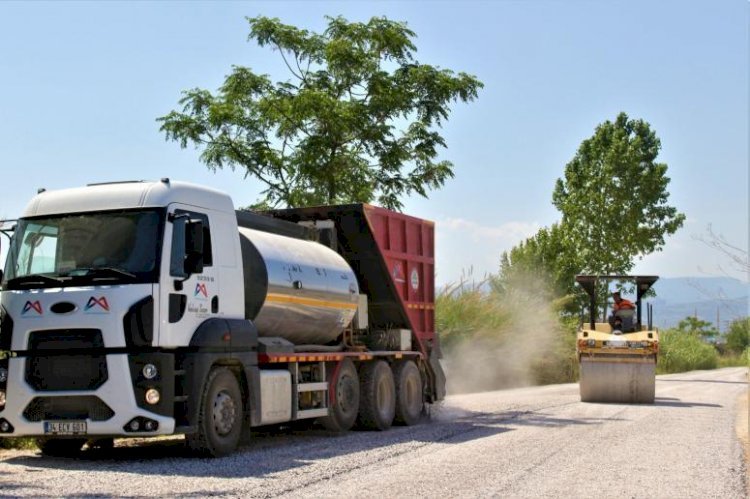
x=287, y=62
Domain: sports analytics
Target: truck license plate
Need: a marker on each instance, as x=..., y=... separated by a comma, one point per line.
x=65, y=427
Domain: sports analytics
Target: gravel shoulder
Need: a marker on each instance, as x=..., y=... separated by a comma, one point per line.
x=530, y=442
x=743, y=431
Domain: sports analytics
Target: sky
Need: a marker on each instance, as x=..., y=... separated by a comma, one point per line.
x=82, y=83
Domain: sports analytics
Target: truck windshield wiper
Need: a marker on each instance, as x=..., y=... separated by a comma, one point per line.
x=102, y=273
x=33, y=279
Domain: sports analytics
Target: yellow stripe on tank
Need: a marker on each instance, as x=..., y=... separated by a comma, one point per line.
x=314, y=302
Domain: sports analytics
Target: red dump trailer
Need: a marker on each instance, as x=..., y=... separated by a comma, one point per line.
x=166, y=311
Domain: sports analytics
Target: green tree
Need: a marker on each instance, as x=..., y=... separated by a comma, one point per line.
x=547, y=257
x=697, y=327
x=613, y=197
x=738, y=336
x=357, y=120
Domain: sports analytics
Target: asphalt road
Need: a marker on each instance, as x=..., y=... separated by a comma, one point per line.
x=531, y=442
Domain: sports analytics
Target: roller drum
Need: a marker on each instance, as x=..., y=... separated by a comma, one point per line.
x=617, y=381
x=298, y=290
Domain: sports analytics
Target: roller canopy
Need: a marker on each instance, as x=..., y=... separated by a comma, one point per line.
x=643, y=282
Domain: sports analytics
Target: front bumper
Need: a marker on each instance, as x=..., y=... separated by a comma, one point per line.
x=122, y=392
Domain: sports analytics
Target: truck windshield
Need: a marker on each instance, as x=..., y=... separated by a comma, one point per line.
x=84, y=249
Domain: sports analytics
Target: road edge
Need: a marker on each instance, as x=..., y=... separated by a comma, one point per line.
x=743, y=431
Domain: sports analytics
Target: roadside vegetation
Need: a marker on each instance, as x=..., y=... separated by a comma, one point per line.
x=500, y=337
x=17, y=443
x=681, y=351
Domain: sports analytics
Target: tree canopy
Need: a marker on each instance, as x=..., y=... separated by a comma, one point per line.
x=698, y=327
x=546, y=257
x=613, y=197
x=357, y=120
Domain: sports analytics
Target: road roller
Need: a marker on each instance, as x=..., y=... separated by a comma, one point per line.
x=617, y=359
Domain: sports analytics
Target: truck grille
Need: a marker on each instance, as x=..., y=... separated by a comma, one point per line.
x=83, y=407
x=66, y=359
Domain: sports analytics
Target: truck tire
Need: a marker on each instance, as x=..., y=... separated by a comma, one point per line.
x=409, y=396
x=343, y=397
x=377, y=404
x=220, y=415
x=60, y=447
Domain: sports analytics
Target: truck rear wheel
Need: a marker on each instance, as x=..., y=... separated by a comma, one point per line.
x=219, y=415
x=409, y=396
x=343, y=397
x=60, y=447
x=377, y=405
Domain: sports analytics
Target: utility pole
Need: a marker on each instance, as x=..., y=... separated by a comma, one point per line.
x=718, y=323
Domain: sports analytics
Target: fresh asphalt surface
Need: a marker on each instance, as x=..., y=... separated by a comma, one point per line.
x=530, y=442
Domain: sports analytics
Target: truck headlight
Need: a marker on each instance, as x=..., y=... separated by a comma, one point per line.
x=152, y=396
x=2, y=398
x=3, y=375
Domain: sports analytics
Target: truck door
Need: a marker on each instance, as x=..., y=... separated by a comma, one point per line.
x=188, y=296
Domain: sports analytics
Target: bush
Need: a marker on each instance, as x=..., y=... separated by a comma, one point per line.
x=732, y=360
x=17, y=443
x=738, y=336
x=680, y=351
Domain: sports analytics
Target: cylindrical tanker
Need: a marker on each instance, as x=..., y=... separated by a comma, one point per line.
x=298, y=290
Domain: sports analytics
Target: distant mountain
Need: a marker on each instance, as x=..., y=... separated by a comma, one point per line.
x=709, y=298
x=698, y=289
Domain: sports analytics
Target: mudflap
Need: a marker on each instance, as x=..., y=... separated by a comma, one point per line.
x=438, y=375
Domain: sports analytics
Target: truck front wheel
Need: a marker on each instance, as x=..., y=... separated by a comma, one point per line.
x=220, y=415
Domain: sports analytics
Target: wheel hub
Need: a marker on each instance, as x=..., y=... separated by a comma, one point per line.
x=224, y=413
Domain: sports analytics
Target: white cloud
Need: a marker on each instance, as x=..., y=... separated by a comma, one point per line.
x=512, y=232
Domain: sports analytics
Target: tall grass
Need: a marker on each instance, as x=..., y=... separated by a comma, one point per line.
x=680, y=351
x=734, y=360
x=466, y=312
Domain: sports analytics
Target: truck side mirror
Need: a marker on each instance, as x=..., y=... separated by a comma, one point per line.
x=193, y=247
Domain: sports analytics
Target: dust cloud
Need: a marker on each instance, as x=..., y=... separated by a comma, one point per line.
x=527, y=349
